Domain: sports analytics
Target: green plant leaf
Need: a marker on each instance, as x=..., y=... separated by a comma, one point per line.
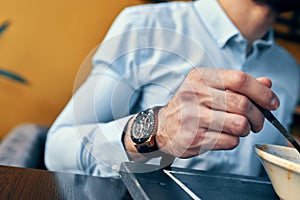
x=4, y=26
x=5, y=73
x=13, y=76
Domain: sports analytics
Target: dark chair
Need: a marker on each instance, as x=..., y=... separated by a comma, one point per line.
x=24, y=146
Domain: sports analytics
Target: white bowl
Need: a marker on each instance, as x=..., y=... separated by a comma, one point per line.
x=282, y=165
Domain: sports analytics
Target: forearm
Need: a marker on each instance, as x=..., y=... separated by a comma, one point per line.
x=93, y=149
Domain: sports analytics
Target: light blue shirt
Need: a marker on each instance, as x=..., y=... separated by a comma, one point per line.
x=141, y=63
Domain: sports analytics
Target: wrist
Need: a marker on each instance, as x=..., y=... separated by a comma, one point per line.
x=139, y=135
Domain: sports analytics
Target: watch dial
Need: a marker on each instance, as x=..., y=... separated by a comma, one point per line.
x=142, y=127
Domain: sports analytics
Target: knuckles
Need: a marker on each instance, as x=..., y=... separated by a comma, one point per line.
x=239, y=78
x=244, y=104
x=233, y=142
x=195, y=75
x=243, y=127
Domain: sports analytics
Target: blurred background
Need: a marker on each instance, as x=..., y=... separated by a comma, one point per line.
x=46, y=42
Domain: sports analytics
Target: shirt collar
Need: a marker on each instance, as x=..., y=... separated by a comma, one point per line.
x=267, y=40
x=216, y=21
x=221, y=27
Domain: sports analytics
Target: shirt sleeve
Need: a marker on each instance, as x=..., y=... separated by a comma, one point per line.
x=86, y=136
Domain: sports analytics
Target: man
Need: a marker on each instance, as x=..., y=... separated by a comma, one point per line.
x=179, y=80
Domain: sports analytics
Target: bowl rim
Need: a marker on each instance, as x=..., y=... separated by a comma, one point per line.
x=284, y=163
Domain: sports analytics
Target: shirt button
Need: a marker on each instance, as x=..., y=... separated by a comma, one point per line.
x=115, y=168
x=220, y=42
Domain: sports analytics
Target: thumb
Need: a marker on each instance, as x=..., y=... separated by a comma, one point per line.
x=265, y=81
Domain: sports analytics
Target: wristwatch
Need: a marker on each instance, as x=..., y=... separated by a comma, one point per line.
x=143, y=131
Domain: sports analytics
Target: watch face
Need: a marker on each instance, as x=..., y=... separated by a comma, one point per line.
x=142, y=127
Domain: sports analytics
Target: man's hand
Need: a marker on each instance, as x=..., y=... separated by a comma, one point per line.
x=211, y=110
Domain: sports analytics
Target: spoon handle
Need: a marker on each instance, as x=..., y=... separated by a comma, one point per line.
x=271, y=118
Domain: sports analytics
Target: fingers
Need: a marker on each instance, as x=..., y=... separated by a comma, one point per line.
x=242, y=83
x=267, y=82
x=240, y=112
x=213, y=141
x=226, y=142
x=211, y=110
x=230, y=123
x=241, y=105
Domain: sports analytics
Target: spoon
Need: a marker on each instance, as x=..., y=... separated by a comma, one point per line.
x=271, y=118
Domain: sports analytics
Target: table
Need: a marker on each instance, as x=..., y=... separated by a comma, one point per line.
x=24, y=183
x=150, y=182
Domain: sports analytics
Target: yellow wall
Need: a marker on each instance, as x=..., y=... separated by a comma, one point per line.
x=47, y=42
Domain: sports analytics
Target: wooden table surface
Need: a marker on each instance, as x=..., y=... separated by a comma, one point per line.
x=23, y=183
